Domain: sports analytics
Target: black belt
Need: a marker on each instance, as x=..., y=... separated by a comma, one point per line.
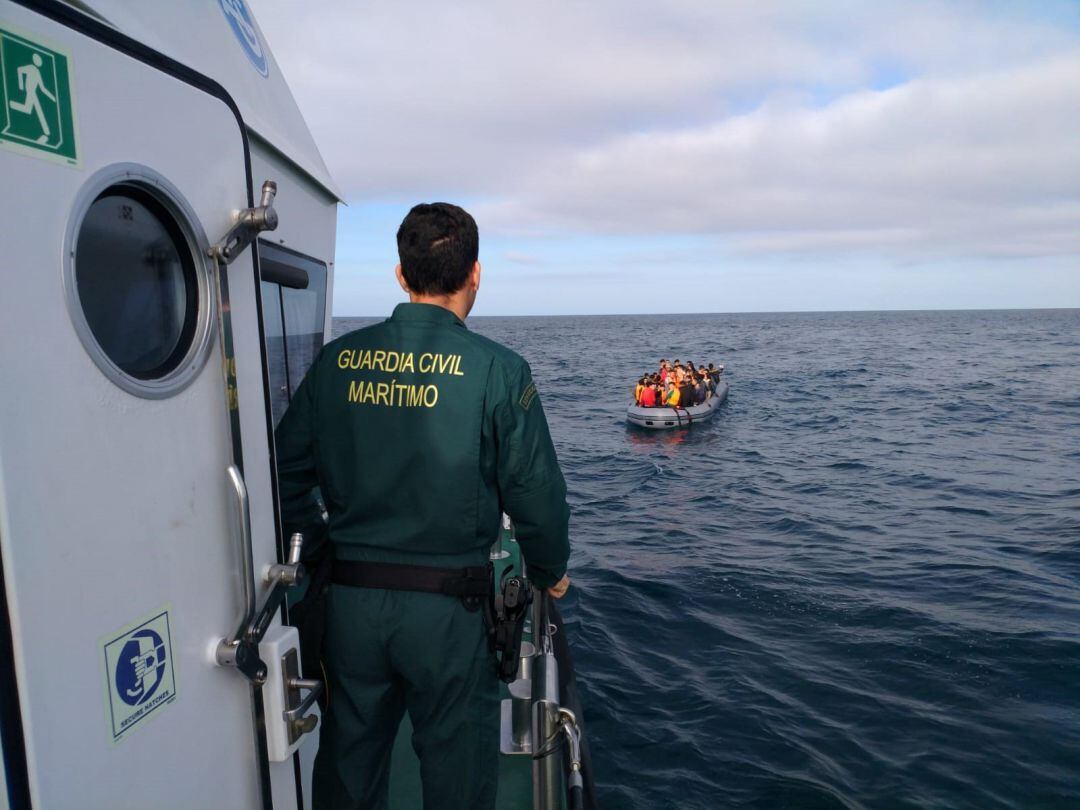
x=464, y=583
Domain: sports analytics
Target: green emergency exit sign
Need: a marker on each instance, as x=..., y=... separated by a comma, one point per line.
x=36, y=108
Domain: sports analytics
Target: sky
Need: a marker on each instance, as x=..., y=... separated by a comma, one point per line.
x=624, y=157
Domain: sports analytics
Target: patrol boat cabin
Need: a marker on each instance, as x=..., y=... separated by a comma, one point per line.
x=169, y=228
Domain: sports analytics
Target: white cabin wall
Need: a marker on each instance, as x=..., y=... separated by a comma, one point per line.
x=208, y=172
x=198, y=34
x=307, y=215
x=110, y=504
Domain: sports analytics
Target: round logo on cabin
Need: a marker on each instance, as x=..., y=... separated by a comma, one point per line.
x=140, y=667
x=244, y=27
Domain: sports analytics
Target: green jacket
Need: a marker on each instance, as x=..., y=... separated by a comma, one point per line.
x=420, y=434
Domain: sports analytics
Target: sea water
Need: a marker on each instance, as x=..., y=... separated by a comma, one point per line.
x=857, y=586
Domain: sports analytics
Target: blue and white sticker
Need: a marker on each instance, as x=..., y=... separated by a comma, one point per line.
x=140, y=675
x=243, y=26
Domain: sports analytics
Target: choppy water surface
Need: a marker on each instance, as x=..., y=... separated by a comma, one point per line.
x=857, y=586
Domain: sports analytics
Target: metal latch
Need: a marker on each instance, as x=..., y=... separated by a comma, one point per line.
x=241, y=649
x=289, y=700
x=297, y=720
x=248, y=224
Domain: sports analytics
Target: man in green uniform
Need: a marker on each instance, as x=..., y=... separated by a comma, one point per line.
x=420, y=434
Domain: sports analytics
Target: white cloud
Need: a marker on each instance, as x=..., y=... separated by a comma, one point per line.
x=981, y=165
x=757, y=123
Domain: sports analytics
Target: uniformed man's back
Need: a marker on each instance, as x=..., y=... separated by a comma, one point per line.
x=419, y=434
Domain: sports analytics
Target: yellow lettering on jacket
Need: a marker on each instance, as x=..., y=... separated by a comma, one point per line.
x=391, y=361
x=449, y=364
x=393, y=394
x=396, y=393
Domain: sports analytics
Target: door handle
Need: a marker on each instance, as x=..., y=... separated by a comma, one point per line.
x=297, y=718
x=288, y=712
x=241, y=649
x=243, y=506
x=235, y=650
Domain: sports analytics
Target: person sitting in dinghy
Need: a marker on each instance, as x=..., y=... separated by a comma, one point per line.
x=710, y=383
x=702, y=376
x=649, y=394
x=671, y=399
x=653, y=395
x=686, y=391
x=701, y=391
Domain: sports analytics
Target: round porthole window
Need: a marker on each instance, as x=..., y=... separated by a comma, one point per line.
x=138, y=287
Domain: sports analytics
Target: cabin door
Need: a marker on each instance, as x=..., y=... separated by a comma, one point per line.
x=118, y=523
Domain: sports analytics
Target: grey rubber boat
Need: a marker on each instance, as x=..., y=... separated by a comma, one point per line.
x=668, y=417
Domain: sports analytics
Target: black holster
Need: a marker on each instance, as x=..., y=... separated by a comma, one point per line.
x=505, y=617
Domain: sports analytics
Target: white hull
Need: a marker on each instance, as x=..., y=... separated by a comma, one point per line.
x=668, y=417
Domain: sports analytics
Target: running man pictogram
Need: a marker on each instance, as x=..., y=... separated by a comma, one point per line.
x=31, y=82
x=36, y=107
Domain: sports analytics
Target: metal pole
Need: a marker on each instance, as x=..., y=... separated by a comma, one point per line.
x=546, y=733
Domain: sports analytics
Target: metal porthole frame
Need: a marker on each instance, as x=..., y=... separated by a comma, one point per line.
x=187, y=222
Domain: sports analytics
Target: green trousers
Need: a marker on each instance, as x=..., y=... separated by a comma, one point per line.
x=388, y=652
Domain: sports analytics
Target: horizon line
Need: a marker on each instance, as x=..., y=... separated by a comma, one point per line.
x=749, y=312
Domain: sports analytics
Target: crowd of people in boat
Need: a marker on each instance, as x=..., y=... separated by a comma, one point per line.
x=677, y=385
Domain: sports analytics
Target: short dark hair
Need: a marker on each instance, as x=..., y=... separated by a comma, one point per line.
x=438, y=244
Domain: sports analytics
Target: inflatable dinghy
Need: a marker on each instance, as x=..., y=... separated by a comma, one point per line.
x=669, y=417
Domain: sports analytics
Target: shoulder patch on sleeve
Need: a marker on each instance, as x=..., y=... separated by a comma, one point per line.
x=528, y=395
